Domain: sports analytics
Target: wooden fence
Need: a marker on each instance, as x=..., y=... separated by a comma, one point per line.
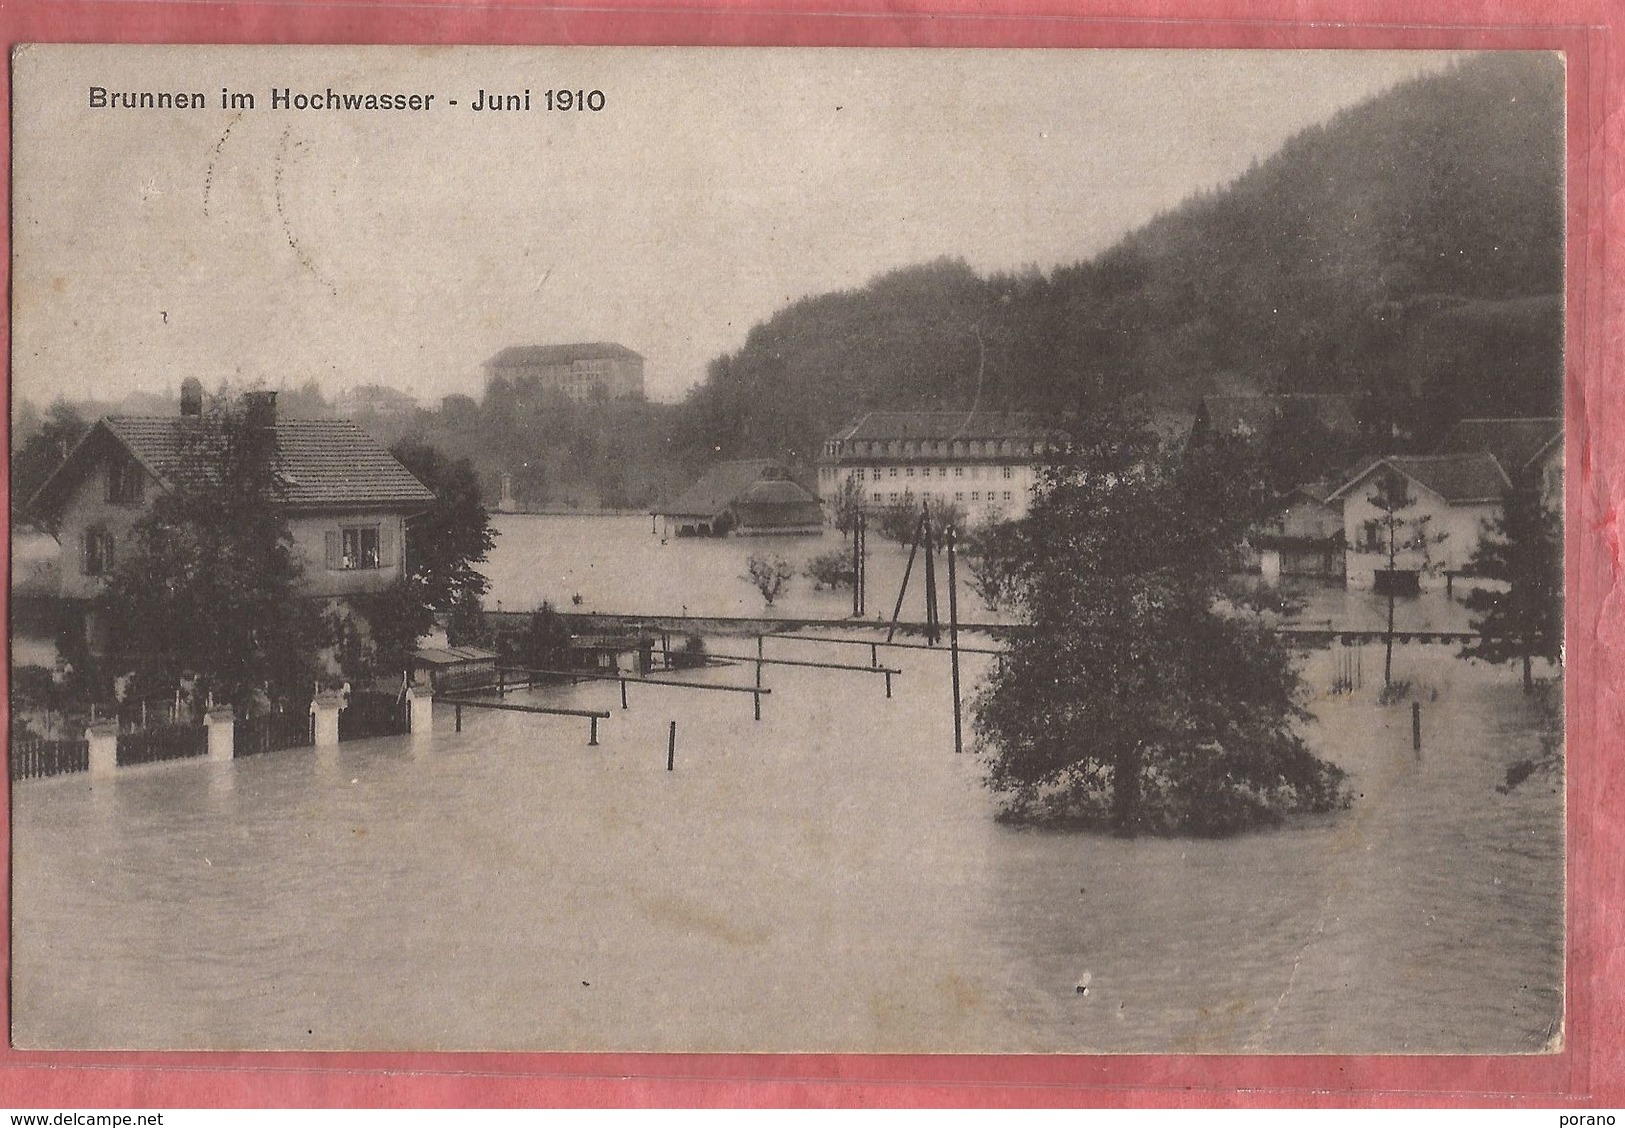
x=32, y=759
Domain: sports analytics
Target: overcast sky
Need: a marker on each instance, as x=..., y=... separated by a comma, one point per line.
x=716, y=186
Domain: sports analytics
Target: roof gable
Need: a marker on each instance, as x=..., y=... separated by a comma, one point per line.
x=1515, y=443
x=719, y=486
x=1460, y=479
x=324, y=463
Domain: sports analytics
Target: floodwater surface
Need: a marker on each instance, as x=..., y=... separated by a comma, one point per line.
x=829, y=878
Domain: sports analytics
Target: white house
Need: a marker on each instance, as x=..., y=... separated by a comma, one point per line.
x=1449, y=499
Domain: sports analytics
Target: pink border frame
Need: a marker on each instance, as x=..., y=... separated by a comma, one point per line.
x=1591, y=1068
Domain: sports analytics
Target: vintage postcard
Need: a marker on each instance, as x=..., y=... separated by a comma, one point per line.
x=836, y=550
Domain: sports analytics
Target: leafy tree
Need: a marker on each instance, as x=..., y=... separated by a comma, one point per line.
x=899, y=520
x=992, y=554
x=847, y=505
x=211, y=582
x=444, y=544
x=1135, y=702
x=770, y=574
x=1399, y=532
x=545, y=644
x=38, y=456
x=1523, y=552
x=830, y=569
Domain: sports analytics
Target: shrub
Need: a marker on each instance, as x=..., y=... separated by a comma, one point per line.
x=770, y=574
x=830, y=569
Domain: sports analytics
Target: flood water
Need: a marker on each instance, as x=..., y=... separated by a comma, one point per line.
x=830, y=878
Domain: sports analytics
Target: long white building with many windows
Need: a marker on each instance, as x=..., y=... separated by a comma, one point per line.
x=984, y=462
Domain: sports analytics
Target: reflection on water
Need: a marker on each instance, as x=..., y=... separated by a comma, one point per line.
x=617, y=565
x=830, y=878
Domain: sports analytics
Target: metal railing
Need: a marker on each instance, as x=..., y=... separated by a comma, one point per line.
x=273, y=732
x=33, y=759
x=374, y=714
x=162, y=742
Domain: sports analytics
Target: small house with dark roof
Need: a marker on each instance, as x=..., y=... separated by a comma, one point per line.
x=584, y=373
x=1529, y=450
x=1451, y=497
x=1305, y=538
x=983, y=462
x=346, y=498
x=748, y=497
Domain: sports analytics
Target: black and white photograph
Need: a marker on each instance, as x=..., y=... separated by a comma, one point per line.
x=838, y=550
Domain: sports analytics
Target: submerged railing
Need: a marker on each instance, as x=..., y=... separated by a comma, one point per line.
x=162, y=742
x=34, y=759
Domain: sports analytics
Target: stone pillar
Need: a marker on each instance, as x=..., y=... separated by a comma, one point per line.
x=103, y=739
x=420, y=711
x=222, y=724
x=326, y=711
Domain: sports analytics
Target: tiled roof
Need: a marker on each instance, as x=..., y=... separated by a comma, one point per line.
x=1514, y=442
x=1461, y=479
x=944, y=425
x=452, y=655
x=324, y=463
x=719, y=487
x=560, y=354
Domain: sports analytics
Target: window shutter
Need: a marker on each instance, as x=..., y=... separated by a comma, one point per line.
x=386, y=545
x=332, y=549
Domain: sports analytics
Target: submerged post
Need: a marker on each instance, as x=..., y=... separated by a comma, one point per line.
x=671, y=747
x=931, y=618
x=1416, y=728
x=623, y=693
x=592, y=736
x=756, y=698
x=953, y=640
x=459, y=716
x=902, y=589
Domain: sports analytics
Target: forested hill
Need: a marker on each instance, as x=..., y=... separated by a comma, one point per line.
x=1408, y=251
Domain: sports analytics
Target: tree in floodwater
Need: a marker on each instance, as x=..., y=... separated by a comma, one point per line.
x=1523, y=618
x=211, y=582
x=1399, y=532
x=1137, y=701
x=771, y=574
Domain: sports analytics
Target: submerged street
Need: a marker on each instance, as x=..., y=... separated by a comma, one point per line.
x=831, y=878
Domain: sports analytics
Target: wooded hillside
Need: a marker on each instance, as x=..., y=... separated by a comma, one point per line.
x=1409, y=251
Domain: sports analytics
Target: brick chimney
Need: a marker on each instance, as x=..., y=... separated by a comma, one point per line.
x=191, y=396
x=260, y=408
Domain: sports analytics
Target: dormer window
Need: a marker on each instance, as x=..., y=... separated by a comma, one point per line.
x=96, y=551
x=124, y=482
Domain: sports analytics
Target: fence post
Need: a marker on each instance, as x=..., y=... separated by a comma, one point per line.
x=102, y=736
x=420, y=711
x=222, y=724
x=592, y=736
x=671, y=747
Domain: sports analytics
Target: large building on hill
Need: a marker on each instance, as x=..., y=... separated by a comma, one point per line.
x=984, y=462
x=585, y=373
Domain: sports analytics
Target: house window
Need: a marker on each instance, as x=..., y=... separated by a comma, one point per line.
x=875, y=496
x=354, y=547
x=909, y=473
x=891, y=472
x=1006, y=495
x=96, y=556
x=1008, y=473
x=891, y=497
x=123, y=482
x=976, y=495
x=959, y=471
x=960, y=496
x=1371, y=536
x=942, y=471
